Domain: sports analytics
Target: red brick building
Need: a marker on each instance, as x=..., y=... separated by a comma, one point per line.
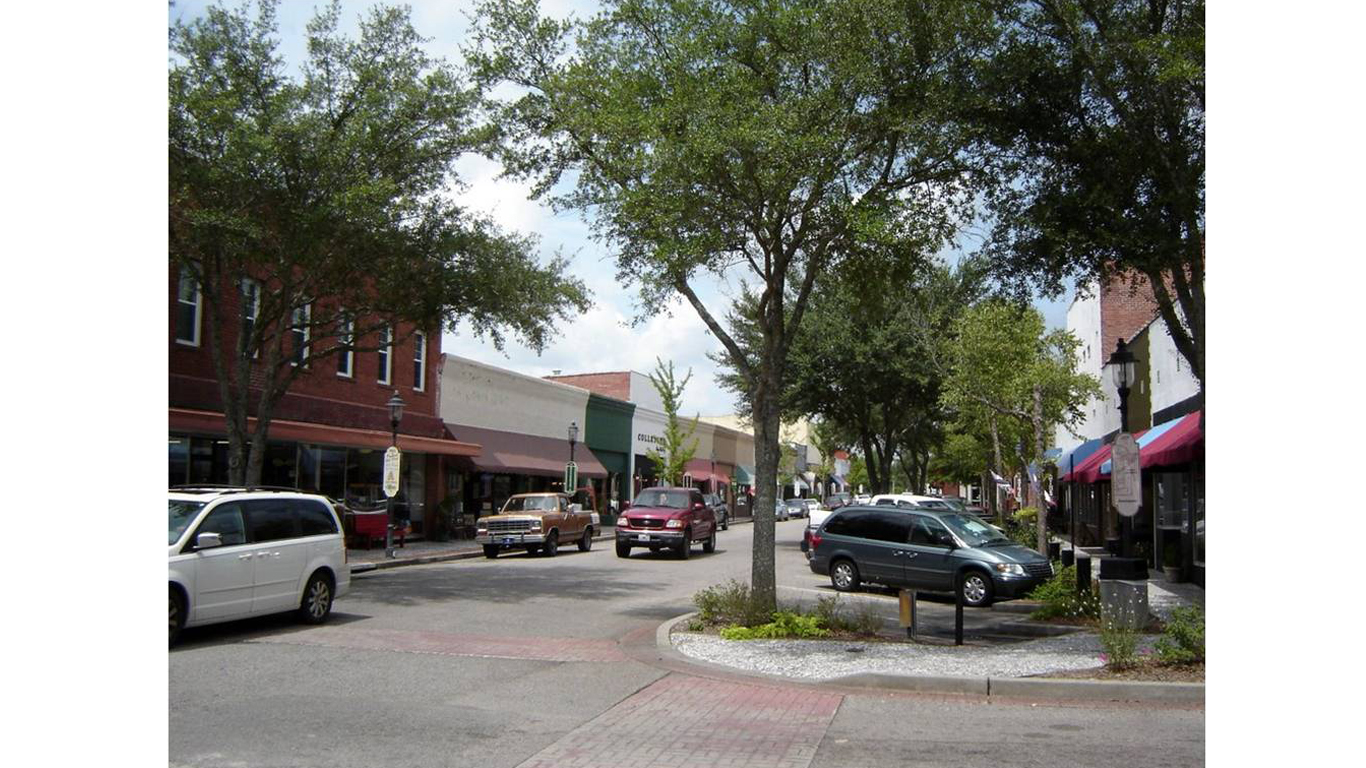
x=329, y=432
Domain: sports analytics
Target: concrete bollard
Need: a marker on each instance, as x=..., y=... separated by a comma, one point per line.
x=1124, y=603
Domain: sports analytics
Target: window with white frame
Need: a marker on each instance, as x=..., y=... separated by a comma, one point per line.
x=251, y=308
x=346, y=331
x=301, y=331
x=419, y=360
x=386, y=340
x=188, y=308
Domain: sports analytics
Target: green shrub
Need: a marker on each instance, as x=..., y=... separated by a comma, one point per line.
x=785, y=624
x=1183, y=640
x=729, y=603
x=1060, y=597
x=1021, y=527
x=1120, y=644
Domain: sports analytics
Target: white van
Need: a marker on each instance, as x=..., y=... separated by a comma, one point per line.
x=236, y=552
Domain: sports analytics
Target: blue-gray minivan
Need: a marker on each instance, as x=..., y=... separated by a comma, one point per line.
x=927, y=550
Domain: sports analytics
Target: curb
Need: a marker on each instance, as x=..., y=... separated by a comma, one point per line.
x=1011, y=687
x=427, y=559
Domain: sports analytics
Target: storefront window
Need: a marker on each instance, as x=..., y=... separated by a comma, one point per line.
x=332, y=472
x=365, y=478
x=1172, y=498
x=180, y=460
x=280, y=467
x=208, y=460
x=1200, y=516
x=414, y=490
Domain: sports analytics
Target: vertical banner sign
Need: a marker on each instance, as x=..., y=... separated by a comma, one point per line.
x=391, y=460
x=571, y=477
x=1126, y=485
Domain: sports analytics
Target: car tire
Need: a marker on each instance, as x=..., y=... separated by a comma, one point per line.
x=709, y=546
x=177, y=611
x=533, y=549
x=844, y=575
x=552, y=544
x=490, y=551
x=316, y=604
x=976, y=588
x=684, y=550
x=586, y=543
x=725, y=523
x=623, y=550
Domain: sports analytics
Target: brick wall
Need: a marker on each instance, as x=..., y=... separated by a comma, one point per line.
x=319, y=394
x=1126, y=306
x=616, y=384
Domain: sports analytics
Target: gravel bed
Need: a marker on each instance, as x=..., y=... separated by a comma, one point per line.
x=827, y=659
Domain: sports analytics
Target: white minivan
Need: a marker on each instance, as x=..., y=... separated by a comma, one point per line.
x=237, y=552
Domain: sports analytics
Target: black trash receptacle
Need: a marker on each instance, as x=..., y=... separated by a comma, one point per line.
x=1067, y=557
x=1054, y=550
x=1084, y=574
x=1114, y=547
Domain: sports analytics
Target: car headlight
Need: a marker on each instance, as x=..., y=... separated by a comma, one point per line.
x=535, y=525
x=1010, y=569
x=675, y=523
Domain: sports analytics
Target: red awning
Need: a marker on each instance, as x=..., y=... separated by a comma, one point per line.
x=700, y=470
x=517, y=454
x=1178, y=445
x=186, y=420
x=1088, y=471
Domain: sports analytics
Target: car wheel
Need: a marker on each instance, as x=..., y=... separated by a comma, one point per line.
x=844, y=576
x=586, y=543
x=709, y=546
x=317, y=602
x=552, y=544
x=177, y=614
x=685, y=547
x=725, y=523
x=490, y=551
x=976, y=588
x=623, y=550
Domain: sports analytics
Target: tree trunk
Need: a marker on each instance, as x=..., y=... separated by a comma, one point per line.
x=763, y=579
x=1036, y=487
x=996, y=468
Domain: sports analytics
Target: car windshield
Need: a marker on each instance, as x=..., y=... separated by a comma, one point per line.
x=530, y=504
x=796, y=503
x=182, y=514
x=955, y=505
x=665, y=499
x=972, y=531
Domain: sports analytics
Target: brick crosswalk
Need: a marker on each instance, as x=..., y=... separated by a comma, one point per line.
x=689, y=722
x=454, y=644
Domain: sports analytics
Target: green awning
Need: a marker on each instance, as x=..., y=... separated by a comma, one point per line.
x=611, y=460
x=744, y=475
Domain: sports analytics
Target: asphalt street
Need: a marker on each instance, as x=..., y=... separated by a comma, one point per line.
x=529, y=661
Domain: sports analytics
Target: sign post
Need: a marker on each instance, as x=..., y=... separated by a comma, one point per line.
x=571, y=477
x=392, y=457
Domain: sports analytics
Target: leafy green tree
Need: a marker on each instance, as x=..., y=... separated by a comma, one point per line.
x=710, y=137
x=1095, y=110
x=673, y=458
x=311, y=213
x=1005, y=367
x=960, y=459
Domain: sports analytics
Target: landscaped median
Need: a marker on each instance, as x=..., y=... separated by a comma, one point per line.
x=848, y=643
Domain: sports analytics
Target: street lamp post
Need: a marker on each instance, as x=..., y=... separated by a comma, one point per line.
x=1122, y=362
x=395, y=405
x=573, y=438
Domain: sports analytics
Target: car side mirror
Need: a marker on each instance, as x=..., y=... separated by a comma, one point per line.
x=946, y=540
x=208, y=540
x=699, y=505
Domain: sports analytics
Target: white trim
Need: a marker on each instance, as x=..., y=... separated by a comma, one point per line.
x=198, y=307
x=387, y=350
x=420, y=360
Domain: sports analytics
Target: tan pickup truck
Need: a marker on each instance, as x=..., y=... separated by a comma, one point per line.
x=536, y=522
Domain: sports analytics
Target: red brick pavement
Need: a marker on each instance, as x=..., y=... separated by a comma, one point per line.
x=450, y=644
x=690, y=722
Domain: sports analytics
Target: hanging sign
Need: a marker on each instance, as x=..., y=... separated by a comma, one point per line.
x=391, y=462
x=571, y=477
x=1126, y=485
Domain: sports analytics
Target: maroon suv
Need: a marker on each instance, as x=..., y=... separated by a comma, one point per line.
x=667, y=518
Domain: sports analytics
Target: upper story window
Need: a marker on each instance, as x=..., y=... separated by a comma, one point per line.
x=346, y=332
x=301, y=332
x=251, y=308
x=188, y=308
x=386, y=341
x=419, y=360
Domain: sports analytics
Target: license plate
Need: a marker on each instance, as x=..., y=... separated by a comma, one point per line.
x=643, y=537
x=507, y=539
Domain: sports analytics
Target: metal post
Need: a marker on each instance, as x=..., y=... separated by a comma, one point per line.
x=389, y=504
x=958, y=617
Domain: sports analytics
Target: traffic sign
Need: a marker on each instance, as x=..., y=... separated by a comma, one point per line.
x=1126, y=485
x=571, y=477
x=391, y=462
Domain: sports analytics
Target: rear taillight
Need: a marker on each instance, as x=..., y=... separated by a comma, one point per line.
x=815, y=540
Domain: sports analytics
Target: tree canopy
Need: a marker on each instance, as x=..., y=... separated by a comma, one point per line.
x=679, y=444
x=312, y=210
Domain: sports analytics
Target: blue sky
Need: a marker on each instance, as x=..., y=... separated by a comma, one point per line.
x=602, y=339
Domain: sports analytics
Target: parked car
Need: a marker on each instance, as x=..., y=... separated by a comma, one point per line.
x=812, y=506
x=796, y=507
x=718, y=505
x=925, y=550
x=536, y=522
x=236, y=552
x=667, y=518
x=837, y=500
x=813, y=523
x=910, y=500
x=781, y=511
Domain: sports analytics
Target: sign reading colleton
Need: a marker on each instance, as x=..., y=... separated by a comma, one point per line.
x=1126, y=485
x=391, y=460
